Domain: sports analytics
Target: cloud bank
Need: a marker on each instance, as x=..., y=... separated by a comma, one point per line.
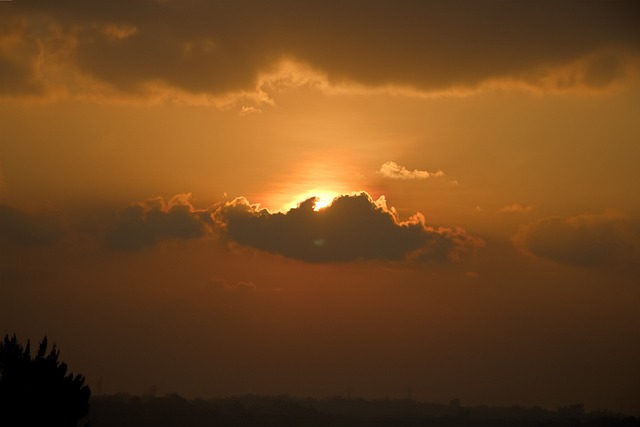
x=354, y=227
x=589, y=240
x=214, y=48
x=145, y=224
x=28, y=230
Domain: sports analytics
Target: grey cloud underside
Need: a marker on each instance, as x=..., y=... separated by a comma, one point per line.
x=586, y=241
x=28, y=230
x=220, y=46
x=352, y=228
x=144, y=225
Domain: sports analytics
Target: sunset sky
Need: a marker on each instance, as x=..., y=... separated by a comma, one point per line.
x=476, y=231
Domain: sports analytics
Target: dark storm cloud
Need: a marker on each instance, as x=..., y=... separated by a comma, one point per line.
x=585, y=240
x=29, y=230
x=353, y=227
x=145, y=224
x=217, y=47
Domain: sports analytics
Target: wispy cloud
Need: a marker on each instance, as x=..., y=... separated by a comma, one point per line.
x=393, y=170
x=249, y=110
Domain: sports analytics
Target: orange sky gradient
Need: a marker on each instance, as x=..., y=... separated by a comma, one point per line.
x=159, y=159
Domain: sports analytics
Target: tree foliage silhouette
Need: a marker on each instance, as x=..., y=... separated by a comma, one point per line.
x=39, y=391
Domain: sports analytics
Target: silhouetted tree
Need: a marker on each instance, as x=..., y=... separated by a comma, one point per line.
x=38, y=391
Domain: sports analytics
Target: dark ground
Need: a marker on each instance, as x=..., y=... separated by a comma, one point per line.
x=247, y=411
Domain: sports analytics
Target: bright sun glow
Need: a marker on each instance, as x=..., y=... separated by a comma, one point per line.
x=313, y=179
x=288, y=201
x=323, y=200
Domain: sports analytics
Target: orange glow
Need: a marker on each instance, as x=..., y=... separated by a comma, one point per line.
x=322, y=181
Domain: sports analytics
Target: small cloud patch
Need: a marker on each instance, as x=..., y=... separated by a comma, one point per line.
x=392, y=170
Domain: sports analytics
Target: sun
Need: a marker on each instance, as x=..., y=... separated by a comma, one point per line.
x=286, y=202
x=323, y=200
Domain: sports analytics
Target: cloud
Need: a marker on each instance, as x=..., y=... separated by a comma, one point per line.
x=249, y=110
x=20, y=58
x=29, y=230
x=218, y=47
x=117, y=32
x=353, y=227
x=395, y=171
x=145, y=224
x=589, y=240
